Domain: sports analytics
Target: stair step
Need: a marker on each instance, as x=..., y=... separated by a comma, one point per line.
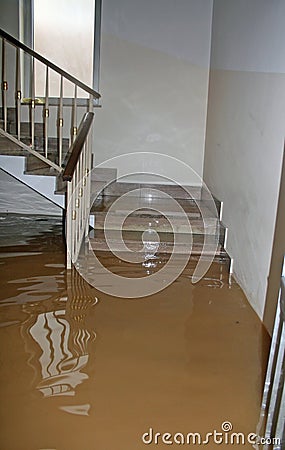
x=153, y=205
x=25, y=129
x=167, y=237
x=61, y=186
x=39, y=144
x=103, y=174
x=139, y=221
x=11, y=114
x=164, y=247
x=123, y=268
x=35, y=166
x=9, y=148
x=178, y=192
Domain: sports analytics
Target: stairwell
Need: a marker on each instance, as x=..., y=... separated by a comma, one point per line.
x=38, y=151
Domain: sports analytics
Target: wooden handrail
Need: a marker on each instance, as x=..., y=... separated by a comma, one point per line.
x=45, y=61
x=76, y=147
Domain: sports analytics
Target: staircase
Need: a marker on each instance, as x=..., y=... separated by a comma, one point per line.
x=23, y=165
x=54, y=138
x=52, y=134
x=135, y=214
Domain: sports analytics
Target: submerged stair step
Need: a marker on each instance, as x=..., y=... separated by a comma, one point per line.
x=164, y=247
x=163, y=237
x=141, y=221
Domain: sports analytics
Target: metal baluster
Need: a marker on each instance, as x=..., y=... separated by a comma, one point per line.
x=69, y=225
x=80, y=191
x=277, y=388
x=76, y=204
x=73, y=230
x=88, y=149
x=90, y=105
x=87, y=176
x=84, y=165
x=74, y=215
x=4, y=84
x=18, y=92
x=46, y=112
x=60, y=122
x=74, y=116
x=78, y=201
x=33, y=104
x=280, y=426
x=87, y=181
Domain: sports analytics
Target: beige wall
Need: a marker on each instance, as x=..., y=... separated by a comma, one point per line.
x=245, y=132
x=154, y=79
x=64, y=34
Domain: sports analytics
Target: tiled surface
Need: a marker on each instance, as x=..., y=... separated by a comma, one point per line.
x=174, y=191
x=164, y=247
x=104, y=174
x=126, y=218
x=170, y=206
x=142, y=221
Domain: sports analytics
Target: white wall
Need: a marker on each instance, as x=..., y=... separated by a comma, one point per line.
x=245, y=131
x=16, y=197
x=42, y=188
x=64, y=34
x=154, y=79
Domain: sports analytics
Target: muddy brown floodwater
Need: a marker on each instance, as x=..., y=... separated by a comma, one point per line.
x=81, y=370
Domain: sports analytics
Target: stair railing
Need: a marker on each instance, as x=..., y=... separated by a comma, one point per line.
x=72, y=162
x=272, y=416
x=77, y=174
x=57, y=131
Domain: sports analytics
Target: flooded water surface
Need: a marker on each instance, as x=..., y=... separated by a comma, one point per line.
x=81, y=370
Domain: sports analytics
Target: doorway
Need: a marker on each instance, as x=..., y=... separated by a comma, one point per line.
x=66, y=32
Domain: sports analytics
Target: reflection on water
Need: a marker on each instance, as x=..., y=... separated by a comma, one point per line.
x=39, y=287
x=18, y=229
x=60, y=369
x=62, y=338
x=81, y=370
